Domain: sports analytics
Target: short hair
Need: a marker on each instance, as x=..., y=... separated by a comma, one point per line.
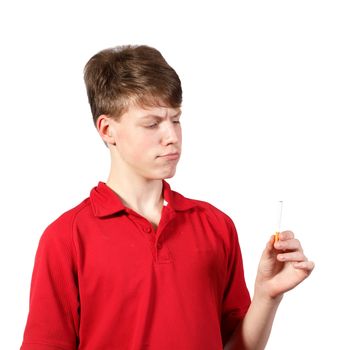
x=118, y=77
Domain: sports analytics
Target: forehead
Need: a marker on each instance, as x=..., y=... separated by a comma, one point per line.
x=140, y=112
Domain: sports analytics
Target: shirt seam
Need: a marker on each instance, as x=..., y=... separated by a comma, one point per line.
x=73, y=222
x=74, y=219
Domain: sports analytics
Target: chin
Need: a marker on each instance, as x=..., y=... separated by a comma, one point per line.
x=164, y=175
x=168, y=176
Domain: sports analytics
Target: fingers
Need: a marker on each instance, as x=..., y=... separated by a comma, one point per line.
x=292, y=257
x=292, y=251
x=307, y=266
x=286, y=241
x=290, y=244
x=291, y=247
x=285, y=235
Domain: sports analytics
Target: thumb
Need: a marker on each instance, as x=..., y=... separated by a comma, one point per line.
x=269, y=250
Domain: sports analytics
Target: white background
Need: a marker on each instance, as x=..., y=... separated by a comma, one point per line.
x=266, y=97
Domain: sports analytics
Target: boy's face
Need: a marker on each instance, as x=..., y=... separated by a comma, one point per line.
x=148, y=141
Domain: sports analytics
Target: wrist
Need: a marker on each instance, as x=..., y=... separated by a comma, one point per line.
x=263, y=297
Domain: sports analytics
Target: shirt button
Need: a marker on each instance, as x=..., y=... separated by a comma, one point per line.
x=159, y=245
x=147, y=229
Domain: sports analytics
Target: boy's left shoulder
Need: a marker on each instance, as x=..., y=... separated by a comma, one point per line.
x=205, y=207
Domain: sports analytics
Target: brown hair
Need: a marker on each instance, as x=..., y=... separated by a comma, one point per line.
x=117, y=77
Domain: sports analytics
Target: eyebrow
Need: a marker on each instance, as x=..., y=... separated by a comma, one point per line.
x=157, y=116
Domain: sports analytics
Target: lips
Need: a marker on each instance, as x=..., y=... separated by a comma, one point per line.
x=170, y=156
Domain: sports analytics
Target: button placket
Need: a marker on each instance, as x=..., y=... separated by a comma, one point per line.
x=147, y=229
x=162, y=252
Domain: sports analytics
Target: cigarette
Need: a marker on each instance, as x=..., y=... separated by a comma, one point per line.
x=277, y=232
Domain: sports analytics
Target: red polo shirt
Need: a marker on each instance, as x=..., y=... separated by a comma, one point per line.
x=104, y=279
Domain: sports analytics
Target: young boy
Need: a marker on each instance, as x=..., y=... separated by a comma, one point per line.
x=136, y=265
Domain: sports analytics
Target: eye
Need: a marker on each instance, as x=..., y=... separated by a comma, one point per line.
x=176, y=121
x=152, y=126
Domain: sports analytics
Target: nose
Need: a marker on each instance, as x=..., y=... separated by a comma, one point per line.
x=171, y=133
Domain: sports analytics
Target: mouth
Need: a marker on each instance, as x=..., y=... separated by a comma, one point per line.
x=170, y=156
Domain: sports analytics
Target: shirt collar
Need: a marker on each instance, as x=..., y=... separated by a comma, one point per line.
x=175, y=200
x=105, y=201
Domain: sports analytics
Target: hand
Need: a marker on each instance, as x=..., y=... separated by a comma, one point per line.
x=282, y=266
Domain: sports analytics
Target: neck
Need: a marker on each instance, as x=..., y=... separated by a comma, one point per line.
x=139, y=194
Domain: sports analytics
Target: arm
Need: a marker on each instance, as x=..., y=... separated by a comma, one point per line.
x=53, y=318
x=282, y=267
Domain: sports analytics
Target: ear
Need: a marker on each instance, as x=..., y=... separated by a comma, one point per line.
x=105, y=129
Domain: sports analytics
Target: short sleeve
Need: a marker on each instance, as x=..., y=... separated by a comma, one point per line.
x=53, y=319
x=236, y=300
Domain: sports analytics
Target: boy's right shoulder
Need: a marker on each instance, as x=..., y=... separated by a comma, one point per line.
x=102, y=202
x=64, y=224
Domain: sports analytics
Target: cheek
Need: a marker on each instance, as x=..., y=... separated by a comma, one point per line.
x=140, y=147
x=144, y=143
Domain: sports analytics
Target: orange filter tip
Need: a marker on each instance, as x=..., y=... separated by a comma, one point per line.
x=277, y=236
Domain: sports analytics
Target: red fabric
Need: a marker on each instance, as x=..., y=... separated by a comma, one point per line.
x=104, y=279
